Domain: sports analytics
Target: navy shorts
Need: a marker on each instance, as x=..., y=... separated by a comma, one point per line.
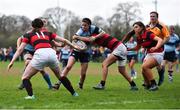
x=130, y=57
x=83, y=57
x=170, y=56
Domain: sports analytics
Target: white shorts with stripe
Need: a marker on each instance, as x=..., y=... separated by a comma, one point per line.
x=44, y=57
x=121, y=53
x=157, y=56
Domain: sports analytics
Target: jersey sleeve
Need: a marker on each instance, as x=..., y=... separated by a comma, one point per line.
x=165, y=31
x=53, y=36
x=25, y=38
x=152, y=36
x=79, y=32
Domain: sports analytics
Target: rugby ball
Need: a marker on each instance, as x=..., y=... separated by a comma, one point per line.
x=80, y=44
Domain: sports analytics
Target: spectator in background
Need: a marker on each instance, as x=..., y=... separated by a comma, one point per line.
x=11, y=53
x=107, y=52
x=6, y=53
x=95, y=54
x=1, y=54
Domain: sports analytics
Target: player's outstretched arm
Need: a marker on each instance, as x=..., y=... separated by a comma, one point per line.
x=16, y=55
x=67, y=42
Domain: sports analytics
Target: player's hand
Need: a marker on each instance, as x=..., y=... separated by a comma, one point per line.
x=75, y=37
x=153, y=49
x=78, y=48
x=9, y=66
x=92, y=38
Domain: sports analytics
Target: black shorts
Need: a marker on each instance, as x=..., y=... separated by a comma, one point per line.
x=83, y=57
x=130, y=57
x=28, y=52
x=170, y=56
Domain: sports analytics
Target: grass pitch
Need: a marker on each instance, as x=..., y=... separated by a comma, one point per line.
x=116, y=95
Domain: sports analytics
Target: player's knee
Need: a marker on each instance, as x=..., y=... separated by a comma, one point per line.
x=24, y=78
x=27, y=62
x=104, y=65
x=144, y=68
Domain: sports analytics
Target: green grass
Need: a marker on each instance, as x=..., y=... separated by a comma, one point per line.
x=115, y=96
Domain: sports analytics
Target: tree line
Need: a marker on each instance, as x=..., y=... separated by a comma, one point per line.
x=65, y=23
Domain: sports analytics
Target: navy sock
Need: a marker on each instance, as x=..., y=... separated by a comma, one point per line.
x=47, y=79
x=161, y=72
x=132, y=83
x=170, y=72
x=153, y=82
x=28, y=86
x=67, y=84
x=103, y=83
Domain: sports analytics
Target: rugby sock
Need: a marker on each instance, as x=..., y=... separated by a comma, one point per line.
x=82, y=79
x=102, y=83
x=161, y=72
x=28, y=86
x=47, y=79
x=59, y=83
x=132, y=71
x=153, y=82
x=132, y=83
x=170, y=72
x=161, y=75
x=67, y=84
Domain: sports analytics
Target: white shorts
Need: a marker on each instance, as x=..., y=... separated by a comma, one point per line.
x=45, y=57
x=121, y=53
x=157, y=56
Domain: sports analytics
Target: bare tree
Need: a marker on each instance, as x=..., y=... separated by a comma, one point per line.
x=125, y=14
x=12, y=27
x=57, y=18
x=128, y=12
x=71, y=27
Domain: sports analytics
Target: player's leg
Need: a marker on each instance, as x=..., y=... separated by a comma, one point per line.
x=27, y=59
x=28, y=73
x=46, y=78
x=65, y=71
x=123, y=71
x=147, y=66
x=84, y=67
x=106, y=63
x=84, y=59
x=64, y=80
x=133, y=72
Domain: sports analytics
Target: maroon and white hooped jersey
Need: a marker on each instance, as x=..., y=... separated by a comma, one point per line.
x=39, y=39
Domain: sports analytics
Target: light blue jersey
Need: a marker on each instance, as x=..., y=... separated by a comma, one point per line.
x=131, y=45
x=171, y=44
x=65, y=53
x=92, y=30
x=29, y=47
